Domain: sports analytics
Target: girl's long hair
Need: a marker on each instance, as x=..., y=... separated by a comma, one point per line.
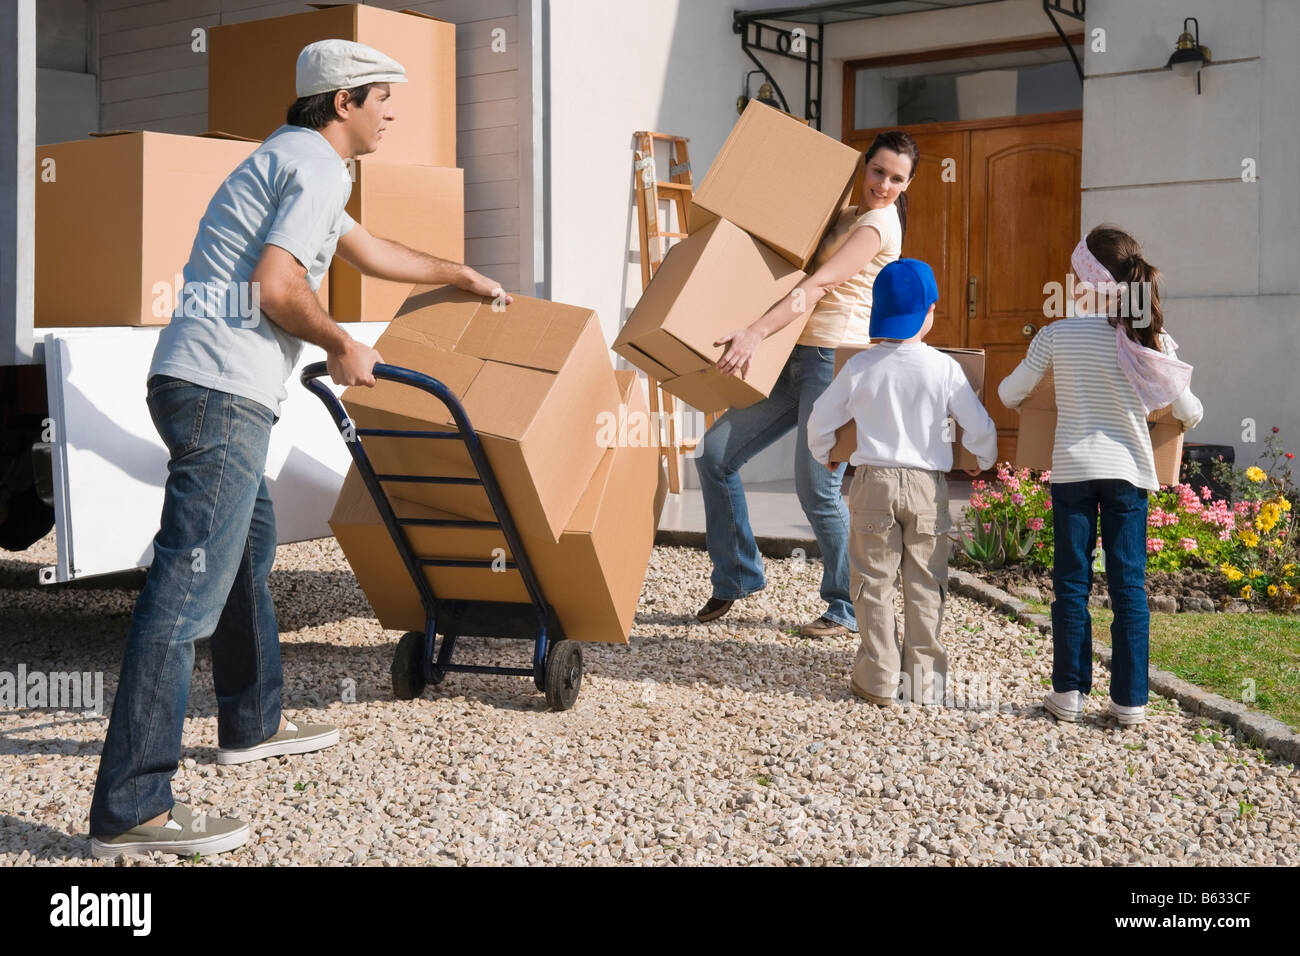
x=904, y=145
x=1122, y=255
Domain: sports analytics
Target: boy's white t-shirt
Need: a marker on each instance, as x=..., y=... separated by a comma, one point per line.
x=900, y=395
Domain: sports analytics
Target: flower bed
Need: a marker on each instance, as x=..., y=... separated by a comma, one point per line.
x=1201, y=550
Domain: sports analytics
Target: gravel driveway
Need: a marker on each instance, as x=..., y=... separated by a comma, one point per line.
x=734, y=742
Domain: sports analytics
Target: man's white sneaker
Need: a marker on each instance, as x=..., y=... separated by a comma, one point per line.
x=294, y=739
x=1064, y=705
x=1128, y=715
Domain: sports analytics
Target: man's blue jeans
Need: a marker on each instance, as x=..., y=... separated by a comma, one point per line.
x=741, y=434
x=1123, y=511
x=211, y=560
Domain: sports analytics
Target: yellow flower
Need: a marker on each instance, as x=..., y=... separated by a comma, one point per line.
x=1288, y=568
x=1272, y=590
x=1246, y=592
x=1284, y=504
x=1256, y=573
x=1249, y=538
x=1275, y=544
x=1231, y=573
x=1255, y=474
x=1267, y=517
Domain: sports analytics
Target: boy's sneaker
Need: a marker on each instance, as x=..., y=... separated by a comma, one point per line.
x=293, y=739
x=872, y=698
x=184, y=834
x=1064, y=705
x=1126, y=715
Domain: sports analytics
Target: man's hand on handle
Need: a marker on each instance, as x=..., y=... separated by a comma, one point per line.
x=354, y=364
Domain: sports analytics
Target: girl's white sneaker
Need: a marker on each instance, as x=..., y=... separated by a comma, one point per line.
x=1064, y=704
x=1128, y=715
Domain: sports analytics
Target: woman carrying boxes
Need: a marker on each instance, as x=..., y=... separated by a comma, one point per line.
x=1112, y=366
x=839, y=293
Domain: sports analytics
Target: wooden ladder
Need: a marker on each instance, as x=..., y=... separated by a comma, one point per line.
x=649, y=191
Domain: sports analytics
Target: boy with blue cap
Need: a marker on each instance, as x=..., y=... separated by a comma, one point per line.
x=901, y=394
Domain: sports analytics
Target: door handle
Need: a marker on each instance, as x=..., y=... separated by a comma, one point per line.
x=970, y=296
x=1030, y=330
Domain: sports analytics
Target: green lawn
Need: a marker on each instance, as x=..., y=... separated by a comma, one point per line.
x=1224, y=653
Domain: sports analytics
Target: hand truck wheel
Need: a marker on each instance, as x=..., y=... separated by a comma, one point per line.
x=563, y=674
x=408, y=666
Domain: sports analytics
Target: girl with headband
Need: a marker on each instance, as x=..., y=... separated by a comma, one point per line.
x=1113, y=364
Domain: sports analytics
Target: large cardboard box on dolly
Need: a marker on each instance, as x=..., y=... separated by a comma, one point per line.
x=716, y=281
x=971, y=362
x=1037, y=435
x=533, y=379
x=779, y=180
x=592, y=576
x=419, y=206
x=119, y=213
x=251, y=67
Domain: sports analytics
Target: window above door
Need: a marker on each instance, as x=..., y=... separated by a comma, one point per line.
x=960, y=84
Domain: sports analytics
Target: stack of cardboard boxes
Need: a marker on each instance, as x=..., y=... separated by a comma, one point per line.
x=755, y=224
x=151, y=189
x=536, y=383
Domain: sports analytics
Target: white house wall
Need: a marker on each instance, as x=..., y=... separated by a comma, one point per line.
x=1166, y=164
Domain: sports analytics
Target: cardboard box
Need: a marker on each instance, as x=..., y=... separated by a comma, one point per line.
x=591, y=576
x=1037, y=434
x=419, y=206
x=533, y=380
x=779, y=180
x=251, y=69
x=116, y=218
x=716, y=281
x=971, y=362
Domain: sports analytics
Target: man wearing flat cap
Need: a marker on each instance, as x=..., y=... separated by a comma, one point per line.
x=214, y=391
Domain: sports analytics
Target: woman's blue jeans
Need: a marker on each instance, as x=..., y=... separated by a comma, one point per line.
x=212, y=556
x=738, y=436
x=1123, y=513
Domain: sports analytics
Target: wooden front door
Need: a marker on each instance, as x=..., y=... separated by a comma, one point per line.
x=994, y=209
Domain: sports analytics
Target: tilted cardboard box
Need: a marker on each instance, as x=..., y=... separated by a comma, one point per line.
x=971, y=362
x=1037, y=435
x=592, y=576
x=533, y=379
x=716, y=281
x=251, y=69
x=118, y=213
x=779, y=180
x=422, y=207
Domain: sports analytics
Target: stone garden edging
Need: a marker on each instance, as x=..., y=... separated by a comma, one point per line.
x=1261, y=729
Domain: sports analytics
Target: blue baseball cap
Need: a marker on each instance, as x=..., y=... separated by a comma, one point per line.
x=901, y=297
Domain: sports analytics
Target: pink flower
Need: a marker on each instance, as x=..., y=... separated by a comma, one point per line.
x=1003, y=474
x=1048, y=504
x=1206, y=493
x=1154, y=545
x=995, y=495
x=1047, y=476
x=1035, y=524
x=1225, y=534
x=988, y=526
x=977, y=502
x=1013, y=483
x=1189, y=544
x=1017, y=499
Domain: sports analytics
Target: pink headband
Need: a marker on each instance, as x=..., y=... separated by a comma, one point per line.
x=1088, y=269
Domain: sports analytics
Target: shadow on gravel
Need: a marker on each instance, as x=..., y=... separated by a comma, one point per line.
x=47, y=843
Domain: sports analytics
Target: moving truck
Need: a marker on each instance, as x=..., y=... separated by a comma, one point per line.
x=78, y=451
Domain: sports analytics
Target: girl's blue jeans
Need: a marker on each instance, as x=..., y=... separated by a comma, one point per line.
x=1122, y=509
